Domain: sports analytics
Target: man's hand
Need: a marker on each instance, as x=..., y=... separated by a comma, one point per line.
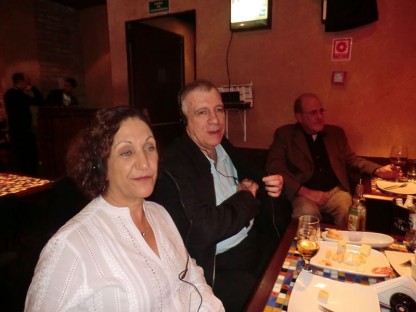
x=389, y=172
x=274, y=185
x=318, y=197
x=248, y=185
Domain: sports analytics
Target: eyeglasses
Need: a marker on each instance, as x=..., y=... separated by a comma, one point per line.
x=315, y=112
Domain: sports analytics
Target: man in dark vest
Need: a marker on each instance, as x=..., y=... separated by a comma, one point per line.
x=18, y=100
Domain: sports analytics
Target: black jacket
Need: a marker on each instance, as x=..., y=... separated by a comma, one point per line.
x=186, y=189
x=55, y=97
x=18, y=110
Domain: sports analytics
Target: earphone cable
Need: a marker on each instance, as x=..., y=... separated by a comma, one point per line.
x=273, y=218
x=183, y=273
x=227, y=176
x=182, y=279
x=227, y=61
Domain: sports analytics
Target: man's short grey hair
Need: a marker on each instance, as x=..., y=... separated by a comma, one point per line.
x=200, y=85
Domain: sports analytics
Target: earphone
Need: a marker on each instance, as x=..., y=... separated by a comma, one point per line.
x=99, y=166
x=182, y=118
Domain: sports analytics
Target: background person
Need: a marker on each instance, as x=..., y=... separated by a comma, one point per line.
x=314, y=160
x=64, y=97
x=18, y=100
x=121, y=252
x=213, y=195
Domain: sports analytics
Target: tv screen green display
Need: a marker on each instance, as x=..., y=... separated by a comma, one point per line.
x=250, y=14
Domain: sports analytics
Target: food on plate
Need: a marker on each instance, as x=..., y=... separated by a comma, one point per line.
x=328, y=254
x=342, y=255
x=326, y=262
x=365, y=250
x=341, y=247
x=382, y=270
x=323, y=295
x=353, y=258
x=375, y=240
x=334, y=234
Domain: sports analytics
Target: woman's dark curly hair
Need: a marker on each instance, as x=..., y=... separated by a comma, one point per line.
x=88, y=153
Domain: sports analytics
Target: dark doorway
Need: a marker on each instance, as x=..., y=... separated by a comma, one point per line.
x=158, y=56
x=156, y=71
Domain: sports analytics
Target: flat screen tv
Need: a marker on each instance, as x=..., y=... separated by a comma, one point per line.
x=250, y=14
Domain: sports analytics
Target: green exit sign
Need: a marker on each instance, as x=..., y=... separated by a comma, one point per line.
x=158, y=6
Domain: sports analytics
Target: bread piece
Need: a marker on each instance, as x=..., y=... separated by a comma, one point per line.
x=341, y=247
x=323, y=296
x=328, y=254
x=365, y=250
x=358, y=259
x=337, y=257
x=326, y=262
x=334, y=234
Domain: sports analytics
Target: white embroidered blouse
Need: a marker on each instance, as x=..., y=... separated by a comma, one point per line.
x=99, y=261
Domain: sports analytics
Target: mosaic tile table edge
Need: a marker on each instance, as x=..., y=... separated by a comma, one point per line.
x=282, y=289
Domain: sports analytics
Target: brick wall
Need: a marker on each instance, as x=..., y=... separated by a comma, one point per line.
x=59, y=45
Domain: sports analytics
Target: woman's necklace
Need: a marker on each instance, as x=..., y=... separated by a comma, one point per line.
x=144, y=227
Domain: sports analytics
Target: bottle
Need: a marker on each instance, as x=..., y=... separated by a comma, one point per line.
x=410, y=235
x=412, y=218
x=353, y=218
x=357, y=214
x=362, y=215
x=362, y=210
x=409, y=201
x=399, y=202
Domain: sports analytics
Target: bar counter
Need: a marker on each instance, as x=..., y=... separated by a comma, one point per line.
x=22, y=185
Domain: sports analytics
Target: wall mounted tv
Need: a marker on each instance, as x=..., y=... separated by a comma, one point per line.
x=250, y=14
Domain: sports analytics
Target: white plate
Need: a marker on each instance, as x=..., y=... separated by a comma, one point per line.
x=375, y=240
x=375, y=260
x=409, y=189
x=342, y=296
x=397, y=258
x=403, y=284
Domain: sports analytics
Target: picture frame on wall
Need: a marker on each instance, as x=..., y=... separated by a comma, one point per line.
x=323, y=10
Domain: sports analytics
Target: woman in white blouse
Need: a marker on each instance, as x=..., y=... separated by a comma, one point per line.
x=121, y=252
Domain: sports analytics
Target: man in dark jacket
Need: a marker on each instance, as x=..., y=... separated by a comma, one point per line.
x=214, y=197
x=314, y=159
x=19, y=117
x=64, y=97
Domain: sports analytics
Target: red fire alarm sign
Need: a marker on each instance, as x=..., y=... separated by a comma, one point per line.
x=341, y=49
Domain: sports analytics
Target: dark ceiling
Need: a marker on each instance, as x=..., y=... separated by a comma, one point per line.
x=80, y=4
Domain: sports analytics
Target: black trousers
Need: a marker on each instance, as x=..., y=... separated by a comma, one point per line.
x=238, y=270
x=25, y=153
